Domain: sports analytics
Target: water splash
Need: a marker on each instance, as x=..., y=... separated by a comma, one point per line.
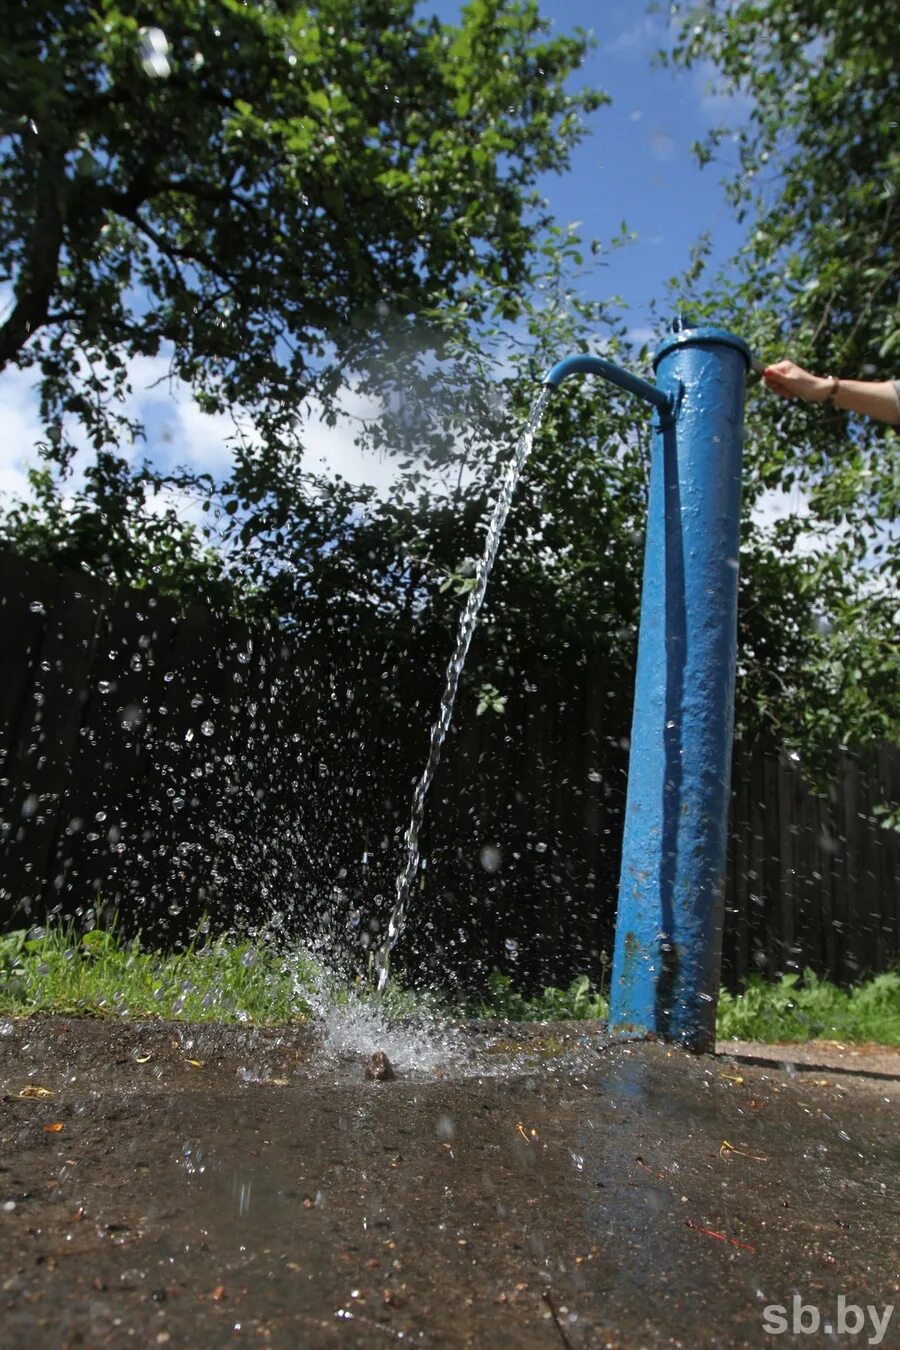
x=352, y=1024
x=441, y=725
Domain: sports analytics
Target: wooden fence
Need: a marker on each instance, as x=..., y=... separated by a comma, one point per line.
x=171, y=764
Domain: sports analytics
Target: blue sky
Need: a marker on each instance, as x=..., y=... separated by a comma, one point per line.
x=636, y=165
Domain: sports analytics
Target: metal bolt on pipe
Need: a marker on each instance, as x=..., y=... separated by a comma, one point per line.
x=668, y=947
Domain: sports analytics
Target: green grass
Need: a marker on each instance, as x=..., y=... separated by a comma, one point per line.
x=502, y=999
x=790, y=1010
x=99, y=974
x=813, y=1009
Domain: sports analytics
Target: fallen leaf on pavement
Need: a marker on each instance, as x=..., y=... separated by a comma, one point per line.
x=33, y=1091
x=726, y=1149
x=720, y=1237
x=54, y=1127
x=660, y=1176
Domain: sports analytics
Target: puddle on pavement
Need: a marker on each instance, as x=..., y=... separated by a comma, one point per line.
x=134, y=1055
x=210, y=1177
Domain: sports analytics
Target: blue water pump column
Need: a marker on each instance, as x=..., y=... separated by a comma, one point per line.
x=667, y=960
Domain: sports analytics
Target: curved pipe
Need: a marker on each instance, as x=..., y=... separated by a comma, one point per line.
x=585, y=364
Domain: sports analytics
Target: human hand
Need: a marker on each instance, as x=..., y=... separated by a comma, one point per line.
x=792, y=381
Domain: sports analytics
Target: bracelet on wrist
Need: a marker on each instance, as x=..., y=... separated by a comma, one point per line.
x=831, y=396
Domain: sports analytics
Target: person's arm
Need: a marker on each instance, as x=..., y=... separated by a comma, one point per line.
x=872, y=398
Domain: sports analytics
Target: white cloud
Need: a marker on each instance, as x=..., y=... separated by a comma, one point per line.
x=179, y=433
x=639, y=38
x=178, y=430
x=662, y=146
x=187, y=506
x=641, y=336
x=333, y=449
x=717, y=104
x=205, y=437
x=781, y=504
x=777, y=504
x=20, y=429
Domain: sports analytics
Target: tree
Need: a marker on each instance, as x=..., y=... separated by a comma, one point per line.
x=247, y=188
x=275, y=193
x=816, y=182
x=118, y=526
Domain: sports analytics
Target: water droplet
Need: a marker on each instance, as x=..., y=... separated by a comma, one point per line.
x=490, y=858
x=154, y=48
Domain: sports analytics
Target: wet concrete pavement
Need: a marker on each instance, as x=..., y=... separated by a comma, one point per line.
x=204, y=1187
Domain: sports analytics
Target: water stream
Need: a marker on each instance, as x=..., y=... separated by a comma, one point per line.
x=441, y=724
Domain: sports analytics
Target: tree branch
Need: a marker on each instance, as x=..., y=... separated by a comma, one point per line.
x=39, y=273
x=174, y=252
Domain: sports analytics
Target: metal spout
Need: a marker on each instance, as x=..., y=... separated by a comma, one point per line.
x=586, y=364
